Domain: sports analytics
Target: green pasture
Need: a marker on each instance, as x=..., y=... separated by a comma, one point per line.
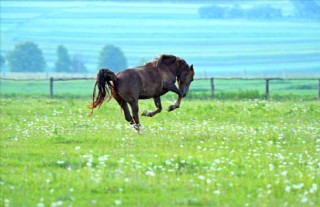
x=200, y=89
x=206, y=153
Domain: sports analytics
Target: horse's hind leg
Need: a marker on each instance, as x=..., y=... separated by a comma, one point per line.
x=125, y=108
x=135, y=115
x=157, y=102
x=127, y=114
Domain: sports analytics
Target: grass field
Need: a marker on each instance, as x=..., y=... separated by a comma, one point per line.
x=206, y=153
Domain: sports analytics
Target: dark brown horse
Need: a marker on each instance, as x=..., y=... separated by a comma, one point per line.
x=143, y=82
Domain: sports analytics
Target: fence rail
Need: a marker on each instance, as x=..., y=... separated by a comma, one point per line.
x=267, y=80
x=211, y=81
x=212, y=85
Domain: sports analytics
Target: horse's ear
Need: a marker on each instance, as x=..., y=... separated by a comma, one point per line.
x=191, y=67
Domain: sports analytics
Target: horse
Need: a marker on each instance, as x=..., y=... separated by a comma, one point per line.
x=151, y=80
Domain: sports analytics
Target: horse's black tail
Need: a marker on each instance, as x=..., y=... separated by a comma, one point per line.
x=105, y=81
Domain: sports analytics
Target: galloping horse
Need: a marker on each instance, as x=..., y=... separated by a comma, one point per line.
x=151, y=80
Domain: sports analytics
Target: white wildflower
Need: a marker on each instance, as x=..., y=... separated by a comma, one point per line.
x=57, y=203
x=287, y=189
x=304, y=200
x=201, y=177
x=60, y=162
x=103, y=158
x=271, y=167
x=40, y=205
x=314, y=188
x=297, y=186
x=150, y=173
x=117, y=202
x=217, y=192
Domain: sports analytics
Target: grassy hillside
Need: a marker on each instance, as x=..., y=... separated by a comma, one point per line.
x=144, y=30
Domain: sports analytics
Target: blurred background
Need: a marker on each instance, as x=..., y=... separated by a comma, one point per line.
x=222, y=38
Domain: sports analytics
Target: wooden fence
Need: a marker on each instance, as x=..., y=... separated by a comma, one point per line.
x=212, y=84
x=211, y=81
x=267, y=83
x=64, y=79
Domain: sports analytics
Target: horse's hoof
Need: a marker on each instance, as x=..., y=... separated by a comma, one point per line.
x=138, y=128
x=171, y=108
x=145, y=113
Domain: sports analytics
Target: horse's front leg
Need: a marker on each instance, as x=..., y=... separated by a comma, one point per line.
x=176, y=90
x=157, y=102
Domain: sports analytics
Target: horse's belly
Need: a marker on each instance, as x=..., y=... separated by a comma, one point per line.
x=151, y=95
x=144, y=97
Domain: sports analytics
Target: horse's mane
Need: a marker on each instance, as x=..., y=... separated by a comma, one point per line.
x=151, y=63
x=165, y=59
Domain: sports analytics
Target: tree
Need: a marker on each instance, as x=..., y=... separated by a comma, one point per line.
x=113, y=58
x=307, y=9
x=235, y=12
x=63, y=63
x=26, y=57
x=263, y=12
x=77, y=65
x=259, y=11
x=2, y=61
x=212, y=12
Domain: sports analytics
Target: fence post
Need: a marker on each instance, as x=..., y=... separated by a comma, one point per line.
x=267, y=88
x=212, y=87
x=51, y=87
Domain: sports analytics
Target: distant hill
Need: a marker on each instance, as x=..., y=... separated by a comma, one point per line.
x=144, y=30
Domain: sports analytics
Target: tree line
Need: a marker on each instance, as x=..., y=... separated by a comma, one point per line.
x=308, y=9
x=28, y=57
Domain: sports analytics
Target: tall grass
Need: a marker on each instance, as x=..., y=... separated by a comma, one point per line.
x=230, y=153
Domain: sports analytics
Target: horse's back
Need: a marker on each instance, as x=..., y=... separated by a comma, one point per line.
x=140, y=82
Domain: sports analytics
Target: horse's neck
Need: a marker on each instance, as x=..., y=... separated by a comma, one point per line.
x=176, y=71
x=170, y=70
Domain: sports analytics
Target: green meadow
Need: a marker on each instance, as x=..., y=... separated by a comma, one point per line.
x=233, y=149
x=206, y=153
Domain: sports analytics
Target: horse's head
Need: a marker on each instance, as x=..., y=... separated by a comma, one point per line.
x=185, y=79
x=180, y=69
